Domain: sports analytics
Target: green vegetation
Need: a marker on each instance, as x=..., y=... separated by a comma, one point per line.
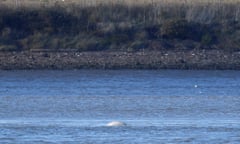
x=120, y=26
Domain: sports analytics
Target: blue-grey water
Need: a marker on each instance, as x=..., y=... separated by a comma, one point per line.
x=166, y=106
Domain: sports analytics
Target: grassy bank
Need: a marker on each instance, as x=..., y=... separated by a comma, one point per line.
x=119, y=25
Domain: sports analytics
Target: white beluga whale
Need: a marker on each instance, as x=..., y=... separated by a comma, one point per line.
x=116, y=124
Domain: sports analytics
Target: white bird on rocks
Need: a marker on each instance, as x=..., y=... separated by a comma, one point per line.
x=116, y=124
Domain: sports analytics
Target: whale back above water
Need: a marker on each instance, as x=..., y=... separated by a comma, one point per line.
x=116, y=124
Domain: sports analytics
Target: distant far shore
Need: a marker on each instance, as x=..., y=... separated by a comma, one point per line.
x=199, y=60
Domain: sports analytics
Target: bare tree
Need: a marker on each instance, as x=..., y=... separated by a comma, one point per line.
x=18, y=3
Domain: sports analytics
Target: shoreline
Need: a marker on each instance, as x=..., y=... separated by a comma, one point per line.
x=182, y=60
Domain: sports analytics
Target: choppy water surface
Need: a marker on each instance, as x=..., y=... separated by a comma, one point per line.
x=157, y=106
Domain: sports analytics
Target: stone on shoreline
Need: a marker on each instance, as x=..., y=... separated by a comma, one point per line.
x=205, y=59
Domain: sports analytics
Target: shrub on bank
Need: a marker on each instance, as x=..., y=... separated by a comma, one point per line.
x=6, y=48
x=120, y=27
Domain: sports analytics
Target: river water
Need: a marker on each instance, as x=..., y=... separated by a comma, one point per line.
x=165, y=106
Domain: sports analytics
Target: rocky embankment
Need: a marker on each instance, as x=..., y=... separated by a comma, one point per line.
x=210, y=59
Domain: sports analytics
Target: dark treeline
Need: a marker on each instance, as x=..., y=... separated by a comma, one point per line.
x=121, y=27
